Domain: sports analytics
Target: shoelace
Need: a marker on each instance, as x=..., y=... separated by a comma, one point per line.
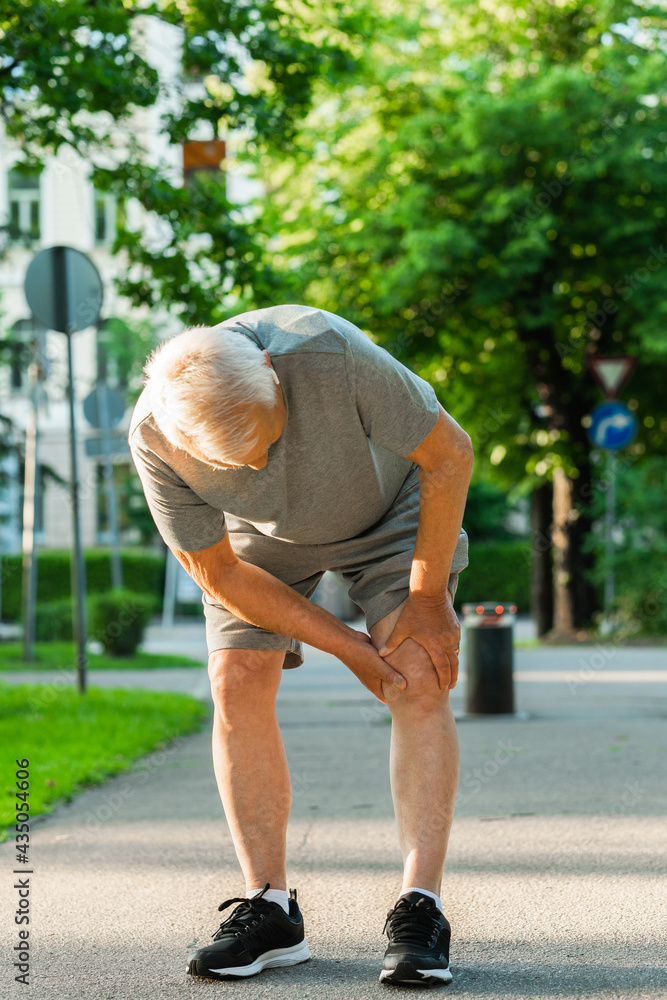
x=412, y=923
x=249, y=913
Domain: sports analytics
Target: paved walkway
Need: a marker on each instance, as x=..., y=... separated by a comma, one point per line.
x=555, y=879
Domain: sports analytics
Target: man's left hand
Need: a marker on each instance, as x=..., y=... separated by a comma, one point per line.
x=432, y=622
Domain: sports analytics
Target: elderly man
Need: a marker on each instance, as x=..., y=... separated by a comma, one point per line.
x=275, y=446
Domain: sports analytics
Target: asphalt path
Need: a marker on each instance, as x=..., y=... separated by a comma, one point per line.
x=555, y=880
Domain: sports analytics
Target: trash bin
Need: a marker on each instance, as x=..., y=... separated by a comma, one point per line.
x=489, y=658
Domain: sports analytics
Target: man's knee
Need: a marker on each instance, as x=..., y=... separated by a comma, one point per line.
x=423, y=691
x=244, y=674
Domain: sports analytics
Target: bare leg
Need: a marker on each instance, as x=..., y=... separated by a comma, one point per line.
x=249, y=760
x=424, y=760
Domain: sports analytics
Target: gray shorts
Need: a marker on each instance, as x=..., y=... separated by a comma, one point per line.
x=375, y=563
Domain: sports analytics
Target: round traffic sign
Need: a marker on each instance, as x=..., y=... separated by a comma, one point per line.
x=613, y=426
x=64, y=289
x=102, y=403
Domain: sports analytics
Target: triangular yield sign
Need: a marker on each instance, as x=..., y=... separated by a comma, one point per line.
x=611, y=373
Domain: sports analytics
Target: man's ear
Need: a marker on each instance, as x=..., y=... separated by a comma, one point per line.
x=267, y=362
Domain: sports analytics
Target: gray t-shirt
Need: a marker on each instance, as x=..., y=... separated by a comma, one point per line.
x=353, y=414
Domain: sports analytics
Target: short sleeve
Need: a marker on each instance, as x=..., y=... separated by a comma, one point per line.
x=185, y=521
x=397, y=408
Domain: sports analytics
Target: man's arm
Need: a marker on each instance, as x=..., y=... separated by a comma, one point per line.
x=445, y=460
x=250, y=593
x=261, y=599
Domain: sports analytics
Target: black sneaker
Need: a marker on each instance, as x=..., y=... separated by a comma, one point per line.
x=418, y=950
x=257, y=935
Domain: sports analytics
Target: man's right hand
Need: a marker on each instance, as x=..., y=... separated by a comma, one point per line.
x=365, y=662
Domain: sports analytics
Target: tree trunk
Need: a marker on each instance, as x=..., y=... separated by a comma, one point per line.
x=563, y=514
x=541, y=594
x=583, y=593
x=574, y=598
x=564, y=401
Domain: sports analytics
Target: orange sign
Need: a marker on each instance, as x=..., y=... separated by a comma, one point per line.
x=203, y=155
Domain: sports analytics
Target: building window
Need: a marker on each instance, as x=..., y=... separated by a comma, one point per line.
x=104, y=218
x=23, y=206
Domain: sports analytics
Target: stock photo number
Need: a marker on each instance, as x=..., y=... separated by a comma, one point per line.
x=21, y=948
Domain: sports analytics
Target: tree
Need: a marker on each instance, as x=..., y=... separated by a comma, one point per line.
x=487, y=512
x=73, y=74
x=70, y=74
x=488, y=202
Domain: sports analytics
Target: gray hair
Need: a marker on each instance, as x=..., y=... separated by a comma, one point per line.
x=207, y=385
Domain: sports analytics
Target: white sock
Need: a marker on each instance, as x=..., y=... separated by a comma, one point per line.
x=426, y=892
x=273, y=896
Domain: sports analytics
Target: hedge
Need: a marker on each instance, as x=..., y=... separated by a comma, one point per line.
x=53, y=621
x=143, y=573
x=498, y=571
x=118, y=620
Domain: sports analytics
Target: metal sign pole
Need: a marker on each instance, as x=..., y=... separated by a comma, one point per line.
x=29, y=513
x=78, y=564
x=610, y=520
x=62, y=307
x=64, y=291
x=170, y=588
x=112, y=510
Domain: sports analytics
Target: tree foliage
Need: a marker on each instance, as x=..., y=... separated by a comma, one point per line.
x=70, y=73
x=488, y=202
x=74, y=73
x=496, y=214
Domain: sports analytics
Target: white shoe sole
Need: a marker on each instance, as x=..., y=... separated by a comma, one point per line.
x=274, y=959
x=444, y=975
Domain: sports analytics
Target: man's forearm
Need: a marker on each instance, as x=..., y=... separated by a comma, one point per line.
x=258, y=597
x=442, y=499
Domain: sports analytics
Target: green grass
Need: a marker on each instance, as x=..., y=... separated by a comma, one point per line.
x=75, y=741
x=60, y=656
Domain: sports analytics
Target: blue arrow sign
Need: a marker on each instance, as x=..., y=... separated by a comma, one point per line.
x=613, y=426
